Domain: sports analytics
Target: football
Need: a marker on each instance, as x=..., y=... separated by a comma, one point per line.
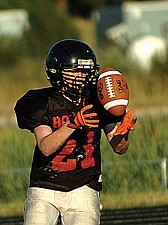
x=113, y=91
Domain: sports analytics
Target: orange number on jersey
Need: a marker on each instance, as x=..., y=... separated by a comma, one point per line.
x=89, y=160
x=60, y=162
x=69, y=164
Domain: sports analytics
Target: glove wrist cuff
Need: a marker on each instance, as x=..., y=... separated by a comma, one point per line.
x=72, y=123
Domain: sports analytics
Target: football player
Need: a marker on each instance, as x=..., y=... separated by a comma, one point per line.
x=66, y=120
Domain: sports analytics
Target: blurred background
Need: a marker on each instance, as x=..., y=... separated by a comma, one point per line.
x=132, y=37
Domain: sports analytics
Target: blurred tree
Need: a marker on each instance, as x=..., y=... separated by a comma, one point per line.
x=84, y=8
x=8, y=4
x=48, y=24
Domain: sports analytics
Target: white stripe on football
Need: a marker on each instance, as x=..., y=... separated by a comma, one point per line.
x=113, y=91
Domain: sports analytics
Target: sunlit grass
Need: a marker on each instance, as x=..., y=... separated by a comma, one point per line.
x=131, y=200
x=29, y=74
x=13, y=208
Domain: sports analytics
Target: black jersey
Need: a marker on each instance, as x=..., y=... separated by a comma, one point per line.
x=78, y=161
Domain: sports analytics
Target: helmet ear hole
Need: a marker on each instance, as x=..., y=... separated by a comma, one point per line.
x=70, y=54
x=55, y=79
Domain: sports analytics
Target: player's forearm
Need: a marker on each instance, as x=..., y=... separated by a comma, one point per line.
x=120, y=143
x=53, y=141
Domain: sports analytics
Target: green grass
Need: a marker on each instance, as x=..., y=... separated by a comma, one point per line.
x=131, y=200
x=135, y=170
x=13, y=208
x=16, y=81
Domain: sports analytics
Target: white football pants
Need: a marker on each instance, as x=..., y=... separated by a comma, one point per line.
x=76, y=207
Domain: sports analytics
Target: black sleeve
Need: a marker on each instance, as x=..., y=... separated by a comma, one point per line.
x=31, y=110
x=106, y=118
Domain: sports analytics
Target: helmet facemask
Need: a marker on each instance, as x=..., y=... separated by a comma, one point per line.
x=76, y=84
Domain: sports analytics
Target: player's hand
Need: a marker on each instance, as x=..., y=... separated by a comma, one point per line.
x=126, y=124
x=84, y=118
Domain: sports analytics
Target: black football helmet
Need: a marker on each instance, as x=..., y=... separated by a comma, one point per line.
x=71, y=54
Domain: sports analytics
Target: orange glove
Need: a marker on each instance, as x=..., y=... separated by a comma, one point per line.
x=126, y=124
x=84, y=118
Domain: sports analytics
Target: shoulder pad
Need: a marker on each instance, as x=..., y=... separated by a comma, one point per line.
x=30, y=109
